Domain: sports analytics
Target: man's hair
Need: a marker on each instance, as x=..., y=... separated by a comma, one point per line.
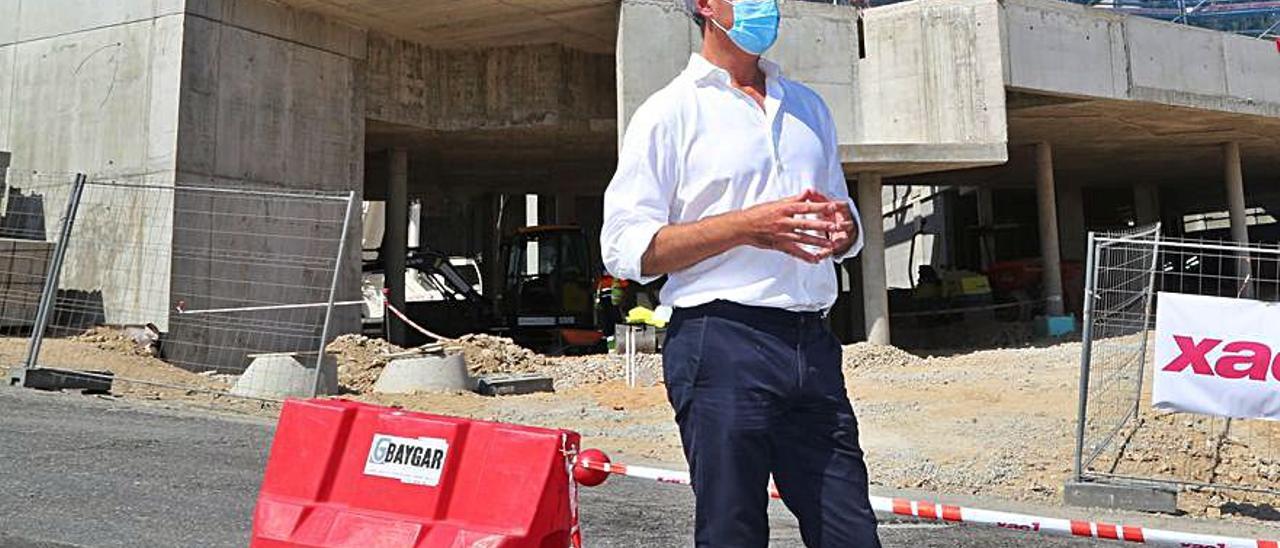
x=691, y=7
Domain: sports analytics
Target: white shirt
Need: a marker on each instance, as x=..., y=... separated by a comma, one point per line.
x=700, y=147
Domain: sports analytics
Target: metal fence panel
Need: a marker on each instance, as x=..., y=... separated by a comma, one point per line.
x=210, y=288
x=1120, y=437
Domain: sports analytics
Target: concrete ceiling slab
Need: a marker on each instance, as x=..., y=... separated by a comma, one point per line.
x=588, y=25
x=1120, y=143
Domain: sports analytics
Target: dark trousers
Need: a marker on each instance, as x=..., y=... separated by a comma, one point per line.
x=759, y=391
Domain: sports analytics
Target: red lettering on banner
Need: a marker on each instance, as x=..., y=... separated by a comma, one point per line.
x=1256, y=355
x=1193, y=354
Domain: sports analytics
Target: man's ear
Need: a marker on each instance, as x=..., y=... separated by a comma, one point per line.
x=704, y=9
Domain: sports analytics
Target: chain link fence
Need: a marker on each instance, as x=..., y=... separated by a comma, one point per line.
x=1120, y=437
x=223, y=290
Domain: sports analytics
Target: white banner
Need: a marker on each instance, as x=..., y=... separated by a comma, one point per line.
x=1217, y=356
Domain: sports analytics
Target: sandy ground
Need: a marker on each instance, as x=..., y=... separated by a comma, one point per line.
x=996, y=423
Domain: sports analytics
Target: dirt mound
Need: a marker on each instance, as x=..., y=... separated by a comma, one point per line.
x=864, y=354
x=487, y=354
x=129, y=341
x=360, y=360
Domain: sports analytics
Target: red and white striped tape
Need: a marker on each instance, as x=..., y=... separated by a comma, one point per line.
x=924, y=509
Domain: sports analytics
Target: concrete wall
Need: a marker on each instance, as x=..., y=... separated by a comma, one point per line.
x=497, y=88
x=189, y=92
x=817, y=45
x=271, y=97
x=94, y=87
x=932, y=74
x=1061, y=48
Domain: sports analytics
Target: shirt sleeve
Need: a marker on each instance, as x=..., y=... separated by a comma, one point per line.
x=638, y=201
x=836, y=187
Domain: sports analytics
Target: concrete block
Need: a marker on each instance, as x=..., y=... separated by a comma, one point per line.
x=654, y=43
x=933, y=74
x=1121, y=497
x=1061, y=48
x=286, y=375
x=1177, y=58
x=1253, y=69
x=425, y=374
x=44, y=378
x=511, y=385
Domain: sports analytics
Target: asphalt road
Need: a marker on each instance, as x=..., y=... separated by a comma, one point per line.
x=87, y=471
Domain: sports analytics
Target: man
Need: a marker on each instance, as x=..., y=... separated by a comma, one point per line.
x=729, y=183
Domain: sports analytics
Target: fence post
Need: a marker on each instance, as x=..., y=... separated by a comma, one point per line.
x=333, y=293
x=49, y=295
x=1146, y=318
x=1086, y=346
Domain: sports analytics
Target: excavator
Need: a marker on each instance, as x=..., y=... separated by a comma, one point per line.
x=546, y=302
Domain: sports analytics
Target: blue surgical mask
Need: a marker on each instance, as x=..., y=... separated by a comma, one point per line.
x=755, y=24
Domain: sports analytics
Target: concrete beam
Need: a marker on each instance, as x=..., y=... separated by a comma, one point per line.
x=1046, y=198
x=394, y=241
x=875, y=291
x=903, y=159
x=1066, y=49
x=414, y=85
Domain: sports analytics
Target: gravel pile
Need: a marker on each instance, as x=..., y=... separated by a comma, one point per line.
x=360, y=360
x=598, y=368
x=862, y=354
x=487, y=354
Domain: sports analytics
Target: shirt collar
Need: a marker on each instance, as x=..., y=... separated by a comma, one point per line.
x=703, y=71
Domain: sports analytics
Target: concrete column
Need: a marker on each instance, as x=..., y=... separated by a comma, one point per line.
x=1234, y=177
x=875, y=290
x=1146, y=203
x=1049, y=252
x=394, y=240
x=986, y=225
x=1072, y=231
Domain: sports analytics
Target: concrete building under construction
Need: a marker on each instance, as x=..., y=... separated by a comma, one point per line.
x=976, y=130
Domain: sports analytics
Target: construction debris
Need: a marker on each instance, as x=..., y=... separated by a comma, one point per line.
x=361, y=360
x=140, y=340
x=488, y=354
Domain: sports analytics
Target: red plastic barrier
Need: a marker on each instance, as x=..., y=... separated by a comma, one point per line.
x=349, y=474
